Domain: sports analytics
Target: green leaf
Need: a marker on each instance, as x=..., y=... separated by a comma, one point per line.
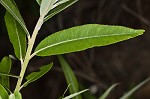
x=17, y=36
x=5, y=67
x=13, y=10
x=46, y=6
x=75, y=94
x=3, y=92
x=129, y=93
x=70, y=77
x=0, y=97
x=83, y=37
x=63, y=4
x=38, y=1
x=36, y=75
x=59, y=8
x=16, y=95
x=106, y=93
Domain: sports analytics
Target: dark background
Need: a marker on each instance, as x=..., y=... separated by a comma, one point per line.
x=127, y=63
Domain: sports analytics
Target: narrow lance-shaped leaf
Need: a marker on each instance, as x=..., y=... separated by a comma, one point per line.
x=36, y=75
x=106, y=93
x=46, y=6
x=17, y=36
x=83, y=37
x=70, y=77
x=75, y=94
x=13, y=10
x=3, y=92
x=5, y=67
x=57, y=9
x=59, y=2
x=129, y=93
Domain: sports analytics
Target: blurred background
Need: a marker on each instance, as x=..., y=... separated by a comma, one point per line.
x=127, y=62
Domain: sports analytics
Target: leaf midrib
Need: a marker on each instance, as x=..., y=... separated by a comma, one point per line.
x=21, y=23
x=71, y=40
x=18, y=40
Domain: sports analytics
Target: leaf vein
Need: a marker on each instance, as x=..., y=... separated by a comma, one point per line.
x=76, y=40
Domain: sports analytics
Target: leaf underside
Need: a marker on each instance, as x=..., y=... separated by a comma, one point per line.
x=83, y=37
x=57, y=9
x=46, y=6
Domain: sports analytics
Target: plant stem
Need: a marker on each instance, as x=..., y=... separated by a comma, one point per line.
x=29, y=51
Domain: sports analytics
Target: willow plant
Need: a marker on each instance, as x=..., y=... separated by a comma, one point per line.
x=66, y=41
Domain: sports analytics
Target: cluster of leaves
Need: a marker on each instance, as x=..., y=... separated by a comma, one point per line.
x=74, y=87
x=70, y=40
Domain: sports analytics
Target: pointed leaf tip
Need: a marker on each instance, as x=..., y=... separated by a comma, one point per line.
x=107, y=92
x=130, y=92
x=17, y=36
x=83, y=37
x=36, y=75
